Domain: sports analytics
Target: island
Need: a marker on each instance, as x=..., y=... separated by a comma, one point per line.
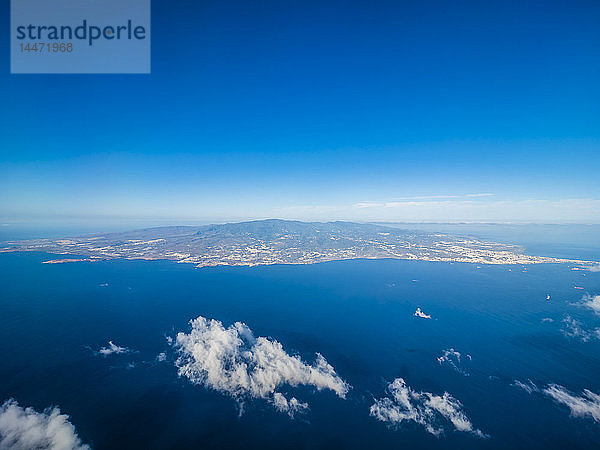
x=274, y=241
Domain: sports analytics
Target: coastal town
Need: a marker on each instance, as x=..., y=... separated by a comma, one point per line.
x=267, y=242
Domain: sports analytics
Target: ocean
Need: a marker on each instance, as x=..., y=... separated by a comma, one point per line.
x=514, y=345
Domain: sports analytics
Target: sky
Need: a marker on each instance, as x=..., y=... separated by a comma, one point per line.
x=407, y=111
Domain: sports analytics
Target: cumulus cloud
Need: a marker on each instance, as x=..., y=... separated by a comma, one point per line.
x=25, y=428
x=528, y=386
x=161, y=357
x=419, y=313
x=433, y=412
x=584, y=405
x=231, y=360
x=113, y=349
x=594, y=268
x=592, y=302
x=547, y=319
x=452, y=358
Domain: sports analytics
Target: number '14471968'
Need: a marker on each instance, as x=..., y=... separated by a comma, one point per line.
x=55, y=47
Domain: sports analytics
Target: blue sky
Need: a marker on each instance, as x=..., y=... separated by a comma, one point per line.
x=400, y=111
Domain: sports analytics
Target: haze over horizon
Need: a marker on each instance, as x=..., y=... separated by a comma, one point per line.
x=412, y=112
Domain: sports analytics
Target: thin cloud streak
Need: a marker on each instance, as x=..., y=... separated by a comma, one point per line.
x=471, y=208
x=581, y=406
x=574, y=329
x=528, y=386
x=587, y=404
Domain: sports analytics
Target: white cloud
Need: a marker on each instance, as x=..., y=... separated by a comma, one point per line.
x=592, y=302
x=595, y=268
x=547, y=320
x=291, y=406
x=587, y=404
x=367, y=205
x=433, y=412
x=419, y=313
x=574, y=329
x=425, y=197
x=25, y=428
x=233, y=361
x=528, y=386
x=112, y=349
x=452, y=358
x=470, y=208
x=161, y=357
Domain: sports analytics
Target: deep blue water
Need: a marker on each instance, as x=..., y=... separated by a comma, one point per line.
x=358, y=314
